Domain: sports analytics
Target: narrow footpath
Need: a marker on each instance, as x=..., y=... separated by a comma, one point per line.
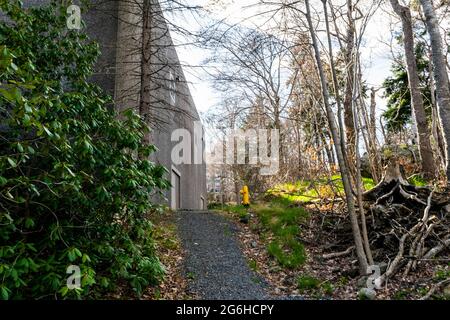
x=215, y=265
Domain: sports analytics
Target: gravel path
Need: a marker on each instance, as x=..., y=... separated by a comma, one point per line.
x=215, y=264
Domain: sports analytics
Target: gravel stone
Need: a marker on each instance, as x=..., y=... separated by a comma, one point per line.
x=214, y=263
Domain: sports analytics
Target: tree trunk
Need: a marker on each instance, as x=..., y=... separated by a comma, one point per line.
x=357, y=89
x=371, y=144
x=436, y=128
x=144, y=103
x=334, y=78
x=373, y=105
x=440, y=76
x=349, y=80
x=342, y=163
x=423, y=133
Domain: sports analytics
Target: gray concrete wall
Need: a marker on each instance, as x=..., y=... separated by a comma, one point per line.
x=101, y=25
x=181, y=114
x=117, y=26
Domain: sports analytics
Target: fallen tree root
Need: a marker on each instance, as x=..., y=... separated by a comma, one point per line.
x=406, y=224
x=437, y=249
x=338, y=254
x=436, y=287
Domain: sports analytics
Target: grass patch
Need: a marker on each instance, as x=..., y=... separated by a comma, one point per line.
x=307, y=283
x=239, y=210
x=282, y=219
x=417, y=180
x=289, y=254
x=305, y=191
x=252, y=264
x=280, y=224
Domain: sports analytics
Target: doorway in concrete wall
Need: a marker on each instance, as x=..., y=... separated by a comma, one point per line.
x=202, y=203
x=176, y=190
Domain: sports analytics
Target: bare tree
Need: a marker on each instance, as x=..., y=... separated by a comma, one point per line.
x=362, y=258
x=440, y=75
x=425, y=150
x=251, y=65
x=349, y=54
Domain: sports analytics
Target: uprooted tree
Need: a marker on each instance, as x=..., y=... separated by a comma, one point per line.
x=407, y=225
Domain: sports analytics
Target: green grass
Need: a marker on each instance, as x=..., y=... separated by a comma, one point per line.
x=280, y=222
x=442, y=273
x=288, y=253
x=307, y=283
x=310, y=284
x=417, y=180
x=368, y=183
x=252, y=264
x=230, y=208
x=281, y=218
x=304, y=191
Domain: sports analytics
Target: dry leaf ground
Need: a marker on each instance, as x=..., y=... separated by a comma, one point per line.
x=335, y=278
x=171, y=255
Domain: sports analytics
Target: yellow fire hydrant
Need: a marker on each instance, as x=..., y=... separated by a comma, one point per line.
x=245, y=196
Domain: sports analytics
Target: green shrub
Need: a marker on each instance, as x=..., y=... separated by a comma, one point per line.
x=74, y=180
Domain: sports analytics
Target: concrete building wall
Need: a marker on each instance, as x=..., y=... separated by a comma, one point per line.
x=176, y=113
x=117, y=26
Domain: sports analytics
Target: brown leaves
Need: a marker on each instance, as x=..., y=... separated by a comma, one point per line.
x=171, y=255
x=338, y=275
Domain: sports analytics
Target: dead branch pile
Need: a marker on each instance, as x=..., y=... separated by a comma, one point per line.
x=406, y=224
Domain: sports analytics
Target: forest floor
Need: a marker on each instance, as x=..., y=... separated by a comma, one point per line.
x=287, y=241
x=170, y=251
x=320, y=278
x=276, y=249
